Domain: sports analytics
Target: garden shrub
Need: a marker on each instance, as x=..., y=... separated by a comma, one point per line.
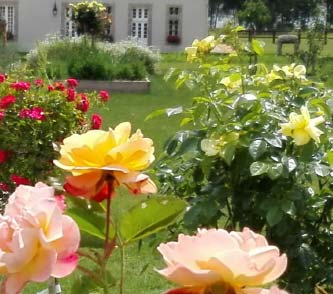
x=74, y=57
x=34, y=116
x=258, y=153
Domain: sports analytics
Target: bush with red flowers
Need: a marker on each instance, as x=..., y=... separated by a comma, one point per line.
x=35, y=116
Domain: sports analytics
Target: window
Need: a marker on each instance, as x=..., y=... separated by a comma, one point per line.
x=7, y=12
x=174, y=24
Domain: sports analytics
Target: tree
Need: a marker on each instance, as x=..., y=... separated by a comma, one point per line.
x=254, y=12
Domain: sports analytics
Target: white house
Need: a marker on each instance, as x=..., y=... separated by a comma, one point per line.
x=152, y=22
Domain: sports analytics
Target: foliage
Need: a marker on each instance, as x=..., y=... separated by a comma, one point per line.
x=315, y=44
x=33, y=116
x=254, y=13
x=236, y=167
x=61, y=58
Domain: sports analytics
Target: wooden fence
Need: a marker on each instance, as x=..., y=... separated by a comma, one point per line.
x=273, y=34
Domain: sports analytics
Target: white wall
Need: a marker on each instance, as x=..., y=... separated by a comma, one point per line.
x=36, y=20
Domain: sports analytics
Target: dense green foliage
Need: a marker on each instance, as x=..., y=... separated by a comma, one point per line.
x=62, y=58
x=237, y=168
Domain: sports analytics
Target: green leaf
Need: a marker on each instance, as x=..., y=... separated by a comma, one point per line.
x=329, y=157
x=321, y=170
x=257, y=148
x=275, y=171
x=289, y=163
x=273, y=140
x=169, y=73
x=174, y=111
x=149, y=217
x=274, y=216
x=88, y=221
x=228, y=152
x=288, y=207
x=155, y=113
x=258, y=47
x=258, y=168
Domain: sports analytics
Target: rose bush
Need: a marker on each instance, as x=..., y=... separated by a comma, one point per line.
x=258, y=154
x=33, y=116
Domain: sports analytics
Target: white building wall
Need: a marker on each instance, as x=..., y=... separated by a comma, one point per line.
x=36, y=20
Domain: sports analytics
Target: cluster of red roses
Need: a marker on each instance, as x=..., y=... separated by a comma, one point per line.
x=15, y=104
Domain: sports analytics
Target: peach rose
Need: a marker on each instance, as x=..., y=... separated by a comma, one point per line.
x=36, y=240
x=215, y=261
x=100, y=161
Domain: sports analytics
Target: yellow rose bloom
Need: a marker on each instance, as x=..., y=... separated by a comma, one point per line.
x=200, y=48
x=302, y=128
x=100, y=160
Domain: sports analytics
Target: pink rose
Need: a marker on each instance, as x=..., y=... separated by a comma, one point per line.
x=18, y=180
x=6, y=101
x=96, y=121
x=42, y=241
x=2, y=78
x=83, y=104
x=20, y=86
x=3, y=156
x=50, y=88
x=61, y=202
x=236, y=262
x=36, y=113
x=2, y=115
x=104, y=95
x=72, y=83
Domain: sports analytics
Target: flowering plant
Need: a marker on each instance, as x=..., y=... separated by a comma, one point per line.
x=33, y=116
x=258, y=154
x=90, y=16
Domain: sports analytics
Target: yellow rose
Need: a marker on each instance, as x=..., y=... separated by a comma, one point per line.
x=100, y=160
x=302, y=128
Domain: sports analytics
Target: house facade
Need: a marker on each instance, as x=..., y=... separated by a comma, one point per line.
x=169, y=25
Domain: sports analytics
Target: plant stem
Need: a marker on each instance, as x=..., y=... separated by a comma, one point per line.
x=122, y=269
x=107, y=226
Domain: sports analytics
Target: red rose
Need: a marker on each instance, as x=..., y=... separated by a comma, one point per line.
x=2, y=78
x=104, y=95
x=72, y=83
x=4, y=187
x=17, y=180
x=39, y=82
x=96, y=121
x=83, y=104
x=3, y=156
x=59, y=86
x=6, y=101
x=50, y=88
x=71, y=94
x=20, y=86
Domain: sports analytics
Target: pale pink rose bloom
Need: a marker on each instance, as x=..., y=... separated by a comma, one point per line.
x=236, y=262
x=36, y=240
